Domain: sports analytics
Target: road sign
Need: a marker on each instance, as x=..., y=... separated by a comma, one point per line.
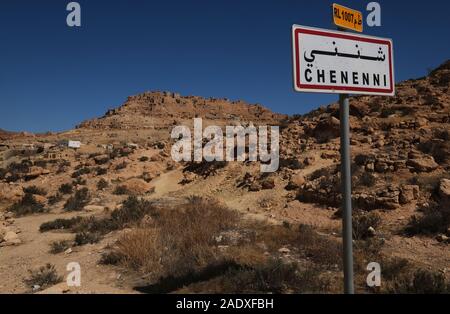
x=337, y=62
x=347, y=18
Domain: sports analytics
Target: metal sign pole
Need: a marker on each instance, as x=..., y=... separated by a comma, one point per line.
x=346, y=179
x=346, y=186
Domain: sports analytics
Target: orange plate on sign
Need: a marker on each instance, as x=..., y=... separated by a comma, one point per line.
x=347, y=18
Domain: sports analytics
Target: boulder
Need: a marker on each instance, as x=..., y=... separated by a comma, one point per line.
x=296, y=182
x=423, y=164
x=101, y=159
x=326, y=130
x=370, y=167
x=10, y=238
x=371, y=231
x=444, y=191
x=443, y=238
x=444, y=188
x=408, y=193
x=10, y=193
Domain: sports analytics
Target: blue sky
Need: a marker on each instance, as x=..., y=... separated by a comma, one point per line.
x=53, y=77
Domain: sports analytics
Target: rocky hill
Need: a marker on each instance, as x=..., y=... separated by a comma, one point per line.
x=6, y=134
x=161, y=109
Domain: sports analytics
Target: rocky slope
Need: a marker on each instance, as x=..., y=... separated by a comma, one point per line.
x=396, y=142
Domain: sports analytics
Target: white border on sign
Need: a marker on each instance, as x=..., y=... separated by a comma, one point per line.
x=334, y=91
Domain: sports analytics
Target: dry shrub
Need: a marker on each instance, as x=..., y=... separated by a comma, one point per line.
x=35, y=190
x=366, y=251
x=182, y=239
x=83, y=238
x=392, y=268
x=140, y=249
x=92, y=229
x=60, y=246
x=66, y=188
x=102, y=184
x=60, y=224
x=27, y=206
x=111, y=258
x=204, y=168
x=43, y=277
x=121, y=190
x=80, y=172
x=247, y=255
x=189, y=234
x=420, y=282
x=318, y=248
x=78, y=201
x=273, y=276
x=305, y=239
x=54, y=199
x=362, y=221
x=435, y=219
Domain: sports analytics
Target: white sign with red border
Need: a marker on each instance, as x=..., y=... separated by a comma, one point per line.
x=338, y=62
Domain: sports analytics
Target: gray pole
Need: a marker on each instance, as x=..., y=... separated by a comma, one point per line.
x=346, y=186
x=346, y=179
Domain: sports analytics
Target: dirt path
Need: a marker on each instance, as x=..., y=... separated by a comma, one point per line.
x=167, y=182
x=16, y=261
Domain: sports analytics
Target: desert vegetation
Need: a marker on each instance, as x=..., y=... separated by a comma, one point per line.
x=27, y=205
x=43, y=277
